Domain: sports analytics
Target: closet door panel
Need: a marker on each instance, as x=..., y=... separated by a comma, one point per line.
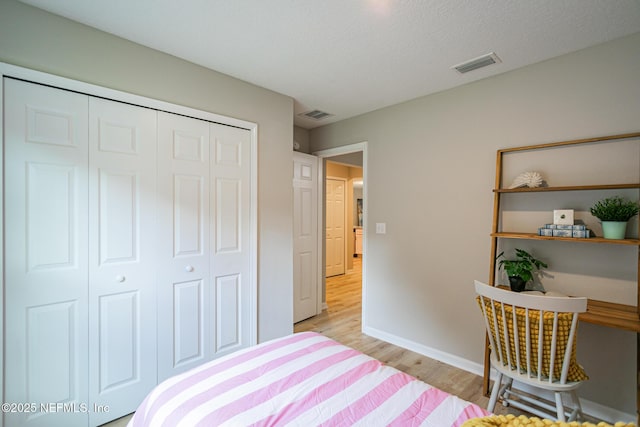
x=117, y=337
x=228, y=215
x=122, y=256
x=52, y=326
x=46, y=240
x=187, y=322
x=228, y=312
x=118, y=216
x=51, y=234
x=183, y=281
x=230, y=255
x=189, y=218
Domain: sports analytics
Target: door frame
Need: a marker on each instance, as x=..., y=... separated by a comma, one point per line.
x=9, y=70
x=326, y=155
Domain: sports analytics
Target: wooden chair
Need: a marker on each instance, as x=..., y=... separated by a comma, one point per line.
x=542, y=352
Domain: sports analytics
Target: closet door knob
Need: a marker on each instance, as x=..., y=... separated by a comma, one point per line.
x=188, y=268
x=120, y=279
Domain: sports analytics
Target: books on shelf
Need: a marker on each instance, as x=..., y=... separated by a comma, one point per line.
x=578, y=231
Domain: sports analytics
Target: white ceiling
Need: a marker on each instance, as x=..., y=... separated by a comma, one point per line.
x=348, y=57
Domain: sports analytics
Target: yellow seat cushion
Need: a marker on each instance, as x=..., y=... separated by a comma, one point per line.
x=576, y=372
x=512, y=420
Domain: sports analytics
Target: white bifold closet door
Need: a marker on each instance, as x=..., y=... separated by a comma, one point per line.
x=204, y=260
x=183, y=267
x=46, y=259
x=80, y=306
x=122, y=257
x=230, y=257
x=127, y=251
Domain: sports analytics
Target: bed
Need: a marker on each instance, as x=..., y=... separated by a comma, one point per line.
x=304, y=379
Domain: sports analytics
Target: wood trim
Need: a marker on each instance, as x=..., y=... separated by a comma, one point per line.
x=567, y=188
x=612, y=315
x=533, y=236
x=492, y=266
x=572, y=142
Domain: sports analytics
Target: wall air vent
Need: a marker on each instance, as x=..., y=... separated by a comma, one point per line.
x=316, y=115
x=479, y=62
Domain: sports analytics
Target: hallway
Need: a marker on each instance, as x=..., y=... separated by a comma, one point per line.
x=344, y=306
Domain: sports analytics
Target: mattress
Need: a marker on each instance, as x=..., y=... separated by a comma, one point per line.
x=304, y=379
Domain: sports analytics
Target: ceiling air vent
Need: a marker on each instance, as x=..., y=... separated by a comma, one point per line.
x=479, y=62
x=316, y=115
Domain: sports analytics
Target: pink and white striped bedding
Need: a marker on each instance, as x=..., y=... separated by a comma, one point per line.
x=304, y=379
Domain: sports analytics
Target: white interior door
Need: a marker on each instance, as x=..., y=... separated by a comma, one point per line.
x=184, y=318
x=335, y=226
x=122, y=250
x=46, y=327
x=230, y=254
x=305, y=236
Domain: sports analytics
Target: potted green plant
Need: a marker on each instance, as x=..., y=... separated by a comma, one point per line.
x=614, y=213
x=520, y=270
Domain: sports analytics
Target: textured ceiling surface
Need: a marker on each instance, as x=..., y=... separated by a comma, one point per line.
x=348, y=57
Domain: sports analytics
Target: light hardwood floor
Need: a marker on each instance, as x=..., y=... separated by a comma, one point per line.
x=120, y=422
x=342, y=322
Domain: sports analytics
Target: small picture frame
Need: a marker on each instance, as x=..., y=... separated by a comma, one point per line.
x=563, y=216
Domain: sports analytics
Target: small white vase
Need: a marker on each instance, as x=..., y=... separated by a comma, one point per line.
x=614, y=229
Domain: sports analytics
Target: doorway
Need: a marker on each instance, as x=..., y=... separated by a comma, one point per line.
x=356, y=155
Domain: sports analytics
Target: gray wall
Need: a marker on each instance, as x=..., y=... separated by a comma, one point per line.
x=431, y=166
x=301, y=136
x=38, y=40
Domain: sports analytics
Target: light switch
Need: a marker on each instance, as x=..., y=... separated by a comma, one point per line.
x=381, y=227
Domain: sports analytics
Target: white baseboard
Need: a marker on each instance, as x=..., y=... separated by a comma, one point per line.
x=449, y=359
x=590, y=408
x=602, y=412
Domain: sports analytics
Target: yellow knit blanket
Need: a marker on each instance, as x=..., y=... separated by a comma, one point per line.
x=513, y=421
